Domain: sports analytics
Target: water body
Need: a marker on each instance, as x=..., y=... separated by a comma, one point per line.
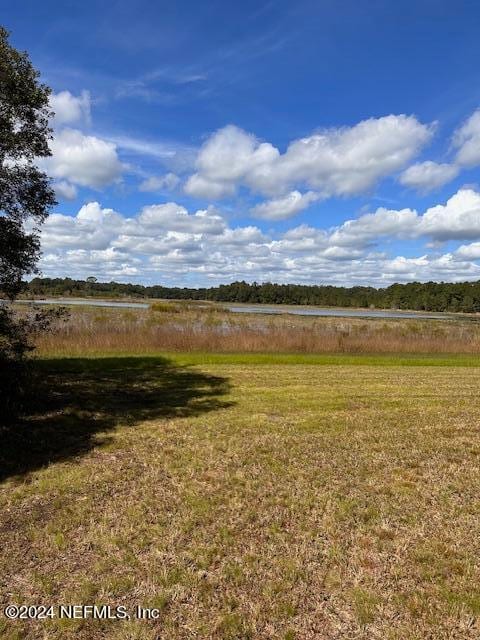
x=91, y=303
x=337, y=313
x=262, y=309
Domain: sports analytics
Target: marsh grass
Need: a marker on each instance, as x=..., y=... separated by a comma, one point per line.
x=187, y=328
x=251, y=499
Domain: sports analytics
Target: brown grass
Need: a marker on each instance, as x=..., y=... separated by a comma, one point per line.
x=180, y=328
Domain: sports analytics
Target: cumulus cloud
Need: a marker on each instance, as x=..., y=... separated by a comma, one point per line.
x=457, y=219
x=106, y=264
x=467, y=142
x=167, y=243
x=443, y=267
x=65, y=190
x=69, y=109
x=168, y=182
x=176, y=218
x=83, y=160
x=469, y=251
x=201, y=187
x=92, y=228
x=342, y=253
x=427, y=176
x=370, y=227
x=78, y=159
x=342, y=162
x=284, y=207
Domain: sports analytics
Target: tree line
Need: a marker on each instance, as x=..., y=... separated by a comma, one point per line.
x=427, y=296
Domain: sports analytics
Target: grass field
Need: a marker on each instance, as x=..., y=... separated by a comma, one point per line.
x=184, y=327
x=247, y=496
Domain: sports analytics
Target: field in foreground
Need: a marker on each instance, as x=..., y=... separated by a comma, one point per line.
x=250, y=498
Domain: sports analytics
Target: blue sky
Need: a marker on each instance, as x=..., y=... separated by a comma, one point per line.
x=321, y=142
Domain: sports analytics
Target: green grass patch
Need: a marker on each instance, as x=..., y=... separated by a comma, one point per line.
x=382, y=360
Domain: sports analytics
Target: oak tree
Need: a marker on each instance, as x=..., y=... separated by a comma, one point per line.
x=25, y=199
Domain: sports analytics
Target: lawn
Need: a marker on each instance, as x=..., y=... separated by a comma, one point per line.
x=281, y=497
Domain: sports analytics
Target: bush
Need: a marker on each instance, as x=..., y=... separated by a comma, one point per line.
x=164, y=307
x=17, y=332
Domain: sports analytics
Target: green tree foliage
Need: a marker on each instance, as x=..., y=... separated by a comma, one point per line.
x=427, y=296
x=25, y=199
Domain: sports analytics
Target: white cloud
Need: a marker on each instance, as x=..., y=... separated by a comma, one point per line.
x=467, y=140
x=178, y=157
x=342, y=253
x=458, y=219
x=370, y=227
x=469, y=251
x=285, y=206
x=427, y=176
x=340, y=162
x=167, y=182
x=92, y=228
x=174, y=217
x=84, y=160
x=104, y=264
x=406, y=266
x=64, y=190
x=241, y=236
x=78, y=159
x=166, y=243
x=423, y=268
x=201, y=187
x=70, y=109
x=302, y=239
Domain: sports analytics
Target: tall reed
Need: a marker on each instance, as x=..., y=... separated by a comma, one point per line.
x=141, y=331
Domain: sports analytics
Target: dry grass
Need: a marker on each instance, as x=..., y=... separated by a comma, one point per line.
x=173, y=327
x=248, y=501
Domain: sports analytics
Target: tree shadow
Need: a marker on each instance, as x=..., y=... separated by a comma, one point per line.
x=77, y=400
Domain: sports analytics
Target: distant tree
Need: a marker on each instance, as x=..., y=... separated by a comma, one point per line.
x=25, y=199
x=426, y=296
x=91, y=280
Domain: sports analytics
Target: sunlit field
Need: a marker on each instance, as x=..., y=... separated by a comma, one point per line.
x=247, y=496
x=170, y=326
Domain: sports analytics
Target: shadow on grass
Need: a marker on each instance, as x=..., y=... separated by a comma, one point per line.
x=78, y=399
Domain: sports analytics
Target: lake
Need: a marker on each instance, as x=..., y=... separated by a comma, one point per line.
x=259, y=308
x=90, y=303
x=341, y=313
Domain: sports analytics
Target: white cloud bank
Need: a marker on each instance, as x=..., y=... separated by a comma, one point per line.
x=336, y=162
x=165, y=243
x=457, y=219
